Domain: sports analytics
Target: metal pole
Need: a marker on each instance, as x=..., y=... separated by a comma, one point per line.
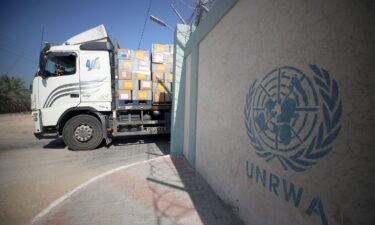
x=178, y=14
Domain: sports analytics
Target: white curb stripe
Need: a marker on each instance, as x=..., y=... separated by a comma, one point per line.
x=70, y=193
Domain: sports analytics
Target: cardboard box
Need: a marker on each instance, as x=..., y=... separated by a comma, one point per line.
x=157, y=57
x=160, y=48
x=162, y=97
x=125, y=64
x=162, y=87
x=162, y=68
x=142, y=95
x=125, y=94
x=128, y=84
x=142, y=75
x=170, y=58
x=140, y=54
x=124, y=53
x=159, y=97
x=125, y=75
x=132, y=65
x=169, y=77
x=162, y=57
x=142, y=62
x=141, y=65
x=145, y=85
x=158, y=77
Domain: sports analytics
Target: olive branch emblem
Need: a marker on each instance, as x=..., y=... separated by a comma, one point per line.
x=318, y=146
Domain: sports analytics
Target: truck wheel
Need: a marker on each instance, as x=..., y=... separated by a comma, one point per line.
x=82, y=132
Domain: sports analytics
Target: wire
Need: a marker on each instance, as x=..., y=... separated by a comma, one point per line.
x=144, y=25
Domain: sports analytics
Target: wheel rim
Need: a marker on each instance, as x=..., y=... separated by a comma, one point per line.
x=83, y=133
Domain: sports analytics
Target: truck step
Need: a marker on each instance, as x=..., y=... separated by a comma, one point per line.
x=134, y=102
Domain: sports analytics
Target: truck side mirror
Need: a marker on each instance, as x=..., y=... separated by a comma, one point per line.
x=41, y=74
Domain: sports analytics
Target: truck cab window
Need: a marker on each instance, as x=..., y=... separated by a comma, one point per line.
x=60, y=65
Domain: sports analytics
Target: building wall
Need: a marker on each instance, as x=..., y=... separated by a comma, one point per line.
x=181, y=36
x=187, y=107
x=328, y=47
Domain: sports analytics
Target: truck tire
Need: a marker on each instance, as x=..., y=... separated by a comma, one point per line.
x=83, y=132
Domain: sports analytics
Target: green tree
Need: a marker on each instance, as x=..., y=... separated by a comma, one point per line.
x=14, y=96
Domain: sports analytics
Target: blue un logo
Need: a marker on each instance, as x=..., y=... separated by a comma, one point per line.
x=292, y=117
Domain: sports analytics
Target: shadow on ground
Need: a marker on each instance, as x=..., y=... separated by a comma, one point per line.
x=209, y=207
x=55, y=144
x=161, y=141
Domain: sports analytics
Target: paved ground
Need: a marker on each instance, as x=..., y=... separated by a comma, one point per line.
x=34, y=173
x=164, y=190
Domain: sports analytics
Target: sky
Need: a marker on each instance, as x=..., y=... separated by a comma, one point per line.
x=22, y=22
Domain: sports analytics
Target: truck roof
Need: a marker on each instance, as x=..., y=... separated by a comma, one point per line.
x=96, y=34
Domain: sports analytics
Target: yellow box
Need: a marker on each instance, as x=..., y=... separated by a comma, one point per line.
x=161, y=67
x=127, y=64
x=139, y=54
x=162, y=87
x=142, y=95
x=142, y=76
x=160, y=47
x=128, y=84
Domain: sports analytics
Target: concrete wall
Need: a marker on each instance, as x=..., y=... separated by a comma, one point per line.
x=187, y=106
x=181, y=36
x=285, y=109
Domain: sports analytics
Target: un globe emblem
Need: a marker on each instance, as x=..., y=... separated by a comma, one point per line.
x=293, y=117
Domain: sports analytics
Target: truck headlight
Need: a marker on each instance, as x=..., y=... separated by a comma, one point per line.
x=35, y=115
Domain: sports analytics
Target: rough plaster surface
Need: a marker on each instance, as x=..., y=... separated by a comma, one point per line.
x=252, y=39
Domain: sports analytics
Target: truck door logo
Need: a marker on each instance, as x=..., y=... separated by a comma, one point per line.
x=93, y=64
x=292, y=117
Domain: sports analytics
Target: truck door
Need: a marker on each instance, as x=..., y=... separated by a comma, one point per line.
x=59, y=87
x=95, y=80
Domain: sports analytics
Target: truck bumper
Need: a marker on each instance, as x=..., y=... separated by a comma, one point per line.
x=39, y=132
x=37, y=121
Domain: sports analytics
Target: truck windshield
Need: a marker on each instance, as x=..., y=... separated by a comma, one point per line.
x=58, y=65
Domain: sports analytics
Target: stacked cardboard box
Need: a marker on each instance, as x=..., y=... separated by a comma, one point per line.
x=162, y=72
x=134, y=75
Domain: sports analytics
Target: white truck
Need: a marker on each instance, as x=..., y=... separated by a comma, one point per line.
x=74, y=95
